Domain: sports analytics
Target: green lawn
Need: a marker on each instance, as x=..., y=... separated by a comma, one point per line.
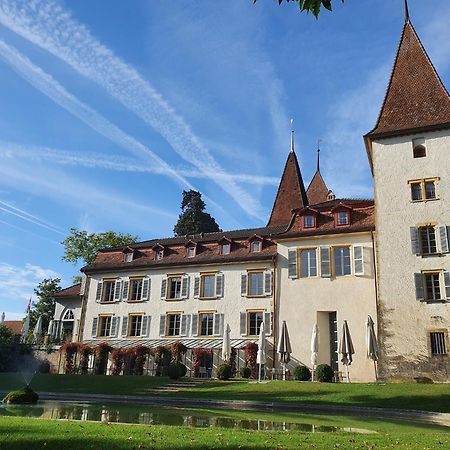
x=428, y=397
x=23, y=434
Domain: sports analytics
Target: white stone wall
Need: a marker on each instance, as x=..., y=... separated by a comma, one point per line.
x=404, y=321
x=302, y=302
x=62, y=305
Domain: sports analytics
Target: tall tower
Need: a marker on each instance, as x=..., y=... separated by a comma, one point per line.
x=409, y=153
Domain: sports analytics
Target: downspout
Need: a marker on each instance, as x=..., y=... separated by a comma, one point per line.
x=375, y=267
x=274, y=314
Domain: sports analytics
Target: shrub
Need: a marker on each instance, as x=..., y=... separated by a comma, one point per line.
x=302, y=373
x=174, y=371
x=101, y=358
x=324, y=373
x=183, y=369
x=233, y=356
x=224, y=372
x=245, y=372
x=162, y=360
x=85, y=351
x=198, y=355
x=118, y=356
x=44, y=367
x=141, y=352
x=70, y=350
x=22, y=396
x=251, y=350
x=177, y=349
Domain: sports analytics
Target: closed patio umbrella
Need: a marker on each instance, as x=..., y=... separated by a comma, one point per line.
x=261, y=357
x=284, y=347
x=25, y=329
x=37, y=333
x=2, y=318
x=50, y=329
x=346, y=348
x=314, y=348
x=226, y=345
x=371, y=343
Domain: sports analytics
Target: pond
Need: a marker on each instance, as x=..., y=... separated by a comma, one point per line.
x=150, y=415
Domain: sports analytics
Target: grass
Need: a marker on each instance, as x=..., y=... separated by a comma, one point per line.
x=18, y=433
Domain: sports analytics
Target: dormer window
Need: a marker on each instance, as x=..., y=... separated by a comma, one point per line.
x=309, y=221
x=225, y=248
x=159, y=255
x=190, y=251
x=419, y=149
x=129, y=257
x=255, y=246
x=343, y=218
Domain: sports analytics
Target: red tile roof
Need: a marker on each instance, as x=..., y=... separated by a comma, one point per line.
x=14, y=325
x=291, y=193
x=72, y=291
x=317, y=191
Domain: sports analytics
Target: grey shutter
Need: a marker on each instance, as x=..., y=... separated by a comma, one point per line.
x=358, y=259
x=145, y=325
x=447, y=284
x=268, y=323
x=415, y=240
x=194, y=324
x=114, y=326
x=292, y=264
x=244, y=284
x=145, y=289
x=268, y=282
x=185, y=286
x=444, y=239
x=218, y=324
x=125, y=326
x=184, y=327
x=243, y=323
x=125, y=289
x=418, y=281
x=98, y=294
x=219, y=285
x=163, y=288
x=94, y=327
x=325, y=262
x=162, y=325
x=117, y=290
x=196, y=287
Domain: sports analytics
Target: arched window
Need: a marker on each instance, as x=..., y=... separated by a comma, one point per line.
x=419, y=149
x=68, y=315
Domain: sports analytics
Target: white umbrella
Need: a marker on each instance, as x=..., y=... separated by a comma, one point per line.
x=37, y=333
x=371, y=343
x=226, y=345
x=261, y=355
x=314, y=348
x=284, y=347
x=25, y=329
x=50, y=329
x=2, y=319
x=346, y=348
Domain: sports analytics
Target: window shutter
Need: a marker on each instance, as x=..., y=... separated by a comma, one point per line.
x=268, y=323
x=125, y=288
x=162, y=325
x=185, y=286
x=117, y=290
x=325, y=262
x=94, y=327
x=218, y=324
x=358, y=259
x=184, y=328
x=447, y=284
x=418, y=281
x=145, y=325
x=163, y=288
x=444, y=239
x=125, y=326
x=243, y=324
x=268, y=282
x=196, y=287
x=114, y=326
x=244, y=277
x=194, y=324
x=219, y=285
x=98, y=295
x=292, y=264
x=415, y=240
x=146, y=289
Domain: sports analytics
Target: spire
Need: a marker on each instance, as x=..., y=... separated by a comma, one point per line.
x=318, y=154
x=406, y=11
x=317, y=191
x=292, y=135
x=415, y=97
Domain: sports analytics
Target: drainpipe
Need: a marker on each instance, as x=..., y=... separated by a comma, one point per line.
x=274, y=313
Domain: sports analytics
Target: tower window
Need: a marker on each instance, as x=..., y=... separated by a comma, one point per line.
x=419, y=149
x=438, y=346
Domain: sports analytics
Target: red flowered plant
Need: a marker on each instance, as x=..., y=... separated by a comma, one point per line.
x=178, y=349
x=141, y=352
x=85, y=351
x=70, y=350
x=251, y=350
x=233, y=356
x=163, y=356
x=101, y=358
x=129, y=356
x=198, y=355
x=118, y=358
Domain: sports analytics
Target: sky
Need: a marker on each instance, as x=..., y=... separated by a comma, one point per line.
x=110, y=109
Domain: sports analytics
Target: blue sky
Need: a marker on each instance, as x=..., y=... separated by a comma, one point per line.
x=110, y=109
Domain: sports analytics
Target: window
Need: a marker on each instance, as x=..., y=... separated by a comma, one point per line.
x=104, y=326
x=190, y=251
x=68, y=315
x=173, y=324
x=255, y=284
x=135, y=289
x=428, y=240
x=208, y=286
x=254, y=322
x=206, y=324
x=108, y=290
x=225, y=249
x=135, y=325
x=309, y=221
x=159, y=255
x=255, y=246
x=342, y=218
x=342, y=264
x=438, y=346
x=423, y=190
x=128, y=257
x=174, y=288
x=416, y=192
x=419, y=149
x=308, y=263
x=430, y=190
x=432, y=287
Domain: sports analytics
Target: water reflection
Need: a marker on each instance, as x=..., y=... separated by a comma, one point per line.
x=157, y=416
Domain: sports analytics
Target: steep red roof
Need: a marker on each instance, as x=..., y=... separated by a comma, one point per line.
x=72, y=291
x=416, y=96
x=317, y=191
x=14, y=325
x=291, y=193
